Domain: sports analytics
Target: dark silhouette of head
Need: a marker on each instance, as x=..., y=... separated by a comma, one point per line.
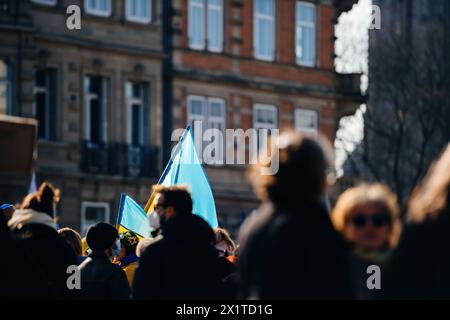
x=43, y=200
x=302, y=172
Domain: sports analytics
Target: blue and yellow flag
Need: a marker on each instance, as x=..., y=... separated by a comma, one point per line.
x=132, y=217
x=185, y=168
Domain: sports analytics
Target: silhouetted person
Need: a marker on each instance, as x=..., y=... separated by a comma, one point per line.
x=420, y=266
x=289, y=248
x=183, y=263
x=34, y=228
x=20, y=276
x=100, y=278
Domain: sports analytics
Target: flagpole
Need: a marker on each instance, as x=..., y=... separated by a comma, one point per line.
x=121, y=203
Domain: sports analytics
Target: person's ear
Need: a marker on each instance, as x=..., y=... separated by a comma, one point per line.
x=170, y=212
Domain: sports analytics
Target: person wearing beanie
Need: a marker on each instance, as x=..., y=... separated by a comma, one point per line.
x=100, y=278
x=127, y=259
x=33, y=228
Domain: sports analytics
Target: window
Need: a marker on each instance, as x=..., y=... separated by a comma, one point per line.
x=264, y=29
x=100, y=8
x=95, y=108
x=136, y=103
x=139, y=11
x=206, y=15
x=211, y=111
x=305, y=34
x=5, y=89
x=264, y=117
x=306, y=121
x=93, y=212
x=44, y=94
x=45, y=2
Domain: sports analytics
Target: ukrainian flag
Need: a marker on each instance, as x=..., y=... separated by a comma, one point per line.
x=184, y=167
x=132, y=217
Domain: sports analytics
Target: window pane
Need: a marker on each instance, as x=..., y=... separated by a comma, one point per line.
x=41, y=113
x=196, y=19
x=196, y=107
x=306, y=34
x=215, y=27
x=91, y=4
x=95, y=123
x=136, y=125
x=216, y=109
x=306, y=13
x=95, y=84
x=264, y=36
x=103, y=6
x=136, y=90
x=39, y=78
x=264, y=7
x=128, y=89
x=133, y=7
x=144, y=8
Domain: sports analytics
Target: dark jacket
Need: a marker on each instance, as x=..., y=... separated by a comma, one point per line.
x=183, y=264
x=50, y=251
x=293, y=255
x=420, y=265
x=20, y=276
x=360, y=261
x=103, y=280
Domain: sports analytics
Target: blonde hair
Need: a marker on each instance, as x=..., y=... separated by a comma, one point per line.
x=223, y=235
x=431, y=196
x=73, y=238
x=363, y=195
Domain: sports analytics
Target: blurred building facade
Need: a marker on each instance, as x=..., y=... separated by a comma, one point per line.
x=108, y=96
x=408, y=114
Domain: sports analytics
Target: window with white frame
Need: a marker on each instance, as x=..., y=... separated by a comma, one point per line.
x=44, y=93
x=264, y=29
x=265, y=118
x=45, y=2
x=211, y=112
x=95, y=91
x=92, y=213
x=139, y=11
x=100, y=8
x=306, y=121
x=135, y=93
x=305, y=33
x=5, y=88
x=205, y=25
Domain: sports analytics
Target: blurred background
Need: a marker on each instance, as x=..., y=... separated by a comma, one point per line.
x=92, y=110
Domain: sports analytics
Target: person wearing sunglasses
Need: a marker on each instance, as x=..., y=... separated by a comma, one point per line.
x=368, y=217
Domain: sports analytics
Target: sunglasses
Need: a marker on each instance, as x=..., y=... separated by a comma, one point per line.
x=378, y=220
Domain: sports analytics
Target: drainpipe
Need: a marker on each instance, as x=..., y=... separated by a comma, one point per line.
x=167, y=86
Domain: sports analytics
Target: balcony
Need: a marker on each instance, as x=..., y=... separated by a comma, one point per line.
x=120, y=159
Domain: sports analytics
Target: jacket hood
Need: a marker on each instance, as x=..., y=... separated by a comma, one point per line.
x=23, y=217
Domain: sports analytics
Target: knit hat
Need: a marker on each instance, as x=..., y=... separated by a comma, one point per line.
x=101, y=236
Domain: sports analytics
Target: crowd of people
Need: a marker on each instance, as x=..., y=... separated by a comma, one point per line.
x=293, y=247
